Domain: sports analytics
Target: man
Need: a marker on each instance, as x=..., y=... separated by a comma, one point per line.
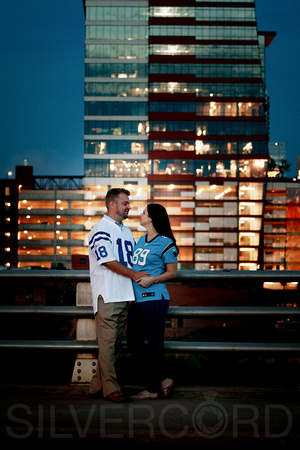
x=110, y=256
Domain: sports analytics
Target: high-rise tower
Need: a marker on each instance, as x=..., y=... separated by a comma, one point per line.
x=176, y=108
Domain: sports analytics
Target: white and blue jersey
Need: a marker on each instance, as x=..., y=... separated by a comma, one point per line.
x=110, y=241
x=152, y=257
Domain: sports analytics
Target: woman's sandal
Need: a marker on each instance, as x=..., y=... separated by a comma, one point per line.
x=167, y=386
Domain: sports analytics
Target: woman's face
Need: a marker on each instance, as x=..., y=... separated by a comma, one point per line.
x=144, y=218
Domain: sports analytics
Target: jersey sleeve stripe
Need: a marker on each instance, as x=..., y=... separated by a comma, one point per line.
x=168, y=248
x=98, y=236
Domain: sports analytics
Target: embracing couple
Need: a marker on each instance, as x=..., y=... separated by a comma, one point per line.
x=128, y=283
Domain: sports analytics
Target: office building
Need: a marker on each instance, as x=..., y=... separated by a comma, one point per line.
x=176, y=109
x=51, y=221
x=8, y=222
x=45, y=222
x=282, y=226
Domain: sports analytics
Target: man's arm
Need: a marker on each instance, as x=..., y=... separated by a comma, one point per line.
x=117, y=267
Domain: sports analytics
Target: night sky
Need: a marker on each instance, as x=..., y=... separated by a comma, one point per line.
x=42, y=82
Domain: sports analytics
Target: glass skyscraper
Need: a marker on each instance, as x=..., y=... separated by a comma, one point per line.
x=176, y=110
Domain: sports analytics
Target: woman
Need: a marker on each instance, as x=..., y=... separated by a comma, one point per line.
x=155, y=253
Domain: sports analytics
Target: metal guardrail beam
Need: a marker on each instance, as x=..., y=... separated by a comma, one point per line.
x=170, y=346
x=182, y=275
x=185, y=312
x=196, y=312
x=231, y=311
x=72, y=311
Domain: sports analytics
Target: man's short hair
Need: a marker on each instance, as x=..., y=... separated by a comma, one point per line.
x=113, y=193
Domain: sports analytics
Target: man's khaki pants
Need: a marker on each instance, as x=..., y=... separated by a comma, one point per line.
x=110, y=324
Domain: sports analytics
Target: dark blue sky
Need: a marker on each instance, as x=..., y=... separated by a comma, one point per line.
x=42, y=85
x=42, y=71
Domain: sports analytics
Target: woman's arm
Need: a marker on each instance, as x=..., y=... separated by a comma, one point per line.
x=171, y=272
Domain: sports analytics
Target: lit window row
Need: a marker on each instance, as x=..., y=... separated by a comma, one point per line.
x=207, y=89
x=117, y=89
x=203, y=70
x=220, y=32
x=116, y=70
x=115, y=147
x=212, y=147
x=212, y=109
x=49, y=251
x=125, y=32
x=121, y=51
x=207, y=13
x=104, y=108
x=117, y=13
x=116, y=168
x=41, y=204
x=116, y=127
x=206, y=168
x=206, y=128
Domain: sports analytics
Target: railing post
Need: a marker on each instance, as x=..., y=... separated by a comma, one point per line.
x=85, y=364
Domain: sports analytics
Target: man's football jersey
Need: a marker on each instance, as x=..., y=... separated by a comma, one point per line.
x=152, y=257
x=110, y=241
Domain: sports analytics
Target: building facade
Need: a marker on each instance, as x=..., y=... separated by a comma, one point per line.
x=45, y=221
x=8, y=223
x=176, y=110
x=282, y=226
x=52, y=223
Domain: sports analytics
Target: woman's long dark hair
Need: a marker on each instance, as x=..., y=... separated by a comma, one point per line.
x=160, y=220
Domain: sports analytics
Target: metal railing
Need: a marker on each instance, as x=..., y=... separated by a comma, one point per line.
x=174, y=312
x=58, y=182
x=170, y=346
x=189, y=312
x=185, y=277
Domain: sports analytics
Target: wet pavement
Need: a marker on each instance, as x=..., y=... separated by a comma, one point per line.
x=194, y=416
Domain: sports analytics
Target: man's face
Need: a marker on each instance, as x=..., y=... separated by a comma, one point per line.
x=122, y=206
